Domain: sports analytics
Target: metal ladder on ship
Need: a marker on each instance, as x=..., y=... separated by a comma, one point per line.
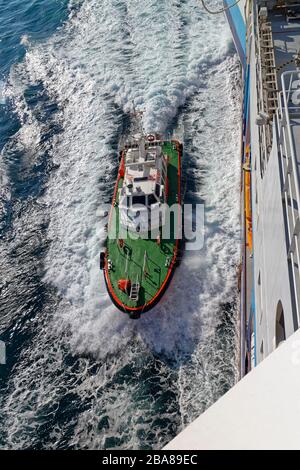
x=134, y=291
x=267, y=85
x=268, y=68
x=267, y=63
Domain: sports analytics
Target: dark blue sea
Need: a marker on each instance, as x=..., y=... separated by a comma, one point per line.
x=79, y=374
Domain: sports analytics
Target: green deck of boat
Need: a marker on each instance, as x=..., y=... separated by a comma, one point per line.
x=156, y=268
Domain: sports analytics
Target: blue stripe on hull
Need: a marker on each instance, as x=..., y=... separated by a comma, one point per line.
x=238, y=29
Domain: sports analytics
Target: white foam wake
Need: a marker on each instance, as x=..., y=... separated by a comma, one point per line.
x=155, y=57
x=111, y=57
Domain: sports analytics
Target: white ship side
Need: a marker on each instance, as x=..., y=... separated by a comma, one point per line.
x=267, y=38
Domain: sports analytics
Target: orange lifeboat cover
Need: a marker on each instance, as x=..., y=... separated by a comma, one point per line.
x=124, y=284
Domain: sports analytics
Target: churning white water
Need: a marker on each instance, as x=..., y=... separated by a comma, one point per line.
x=90, y=375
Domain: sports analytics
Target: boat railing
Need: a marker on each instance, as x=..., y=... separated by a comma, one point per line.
x=288, y=132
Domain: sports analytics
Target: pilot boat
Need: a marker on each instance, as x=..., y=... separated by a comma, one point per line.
x=144, y=229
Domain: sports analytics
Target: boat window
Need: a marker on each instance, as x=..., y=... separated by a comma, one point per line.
x=141, y=178
x=157, y=190
x=139, y=200
x=150, y=156
x=151, y=199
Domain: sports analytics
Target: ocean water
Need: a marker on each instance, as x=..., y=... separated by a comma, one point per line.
x=80, y=374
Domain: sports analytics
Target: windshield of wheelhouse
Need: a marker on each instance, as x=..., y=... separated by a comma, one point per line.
x=140, y=199
x=152, y=200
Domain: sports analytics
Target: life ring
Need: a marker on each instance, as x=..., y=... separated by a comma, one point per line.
x=151, y=138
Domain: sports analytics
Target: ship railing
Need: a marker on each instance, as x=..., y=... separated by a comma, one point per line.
x=289, y=155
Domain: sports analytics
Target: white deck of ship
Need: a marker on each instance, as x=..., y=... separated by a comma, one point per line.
x=262, y=411
x=286, y=41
